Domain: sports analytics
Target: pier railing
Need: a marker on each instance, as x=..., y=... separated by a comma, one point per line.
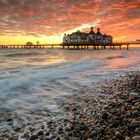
x=114, y=45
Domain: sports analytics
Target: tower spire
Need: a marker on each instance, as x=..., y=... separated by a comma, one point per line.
x=98, y=31
x=91, y=31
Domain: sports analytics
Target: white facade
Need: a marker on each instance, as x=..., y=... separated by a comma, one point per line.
x=87, y=38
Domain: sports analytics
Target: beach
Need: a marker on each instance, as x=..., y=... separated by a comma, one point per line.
x=52, y=94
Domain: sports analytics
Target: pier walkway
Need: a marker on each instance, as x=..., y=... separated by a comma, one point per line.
x=73, y=46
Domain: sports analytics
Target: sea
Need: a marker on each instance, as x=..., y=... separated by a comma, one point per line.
x=33, y=80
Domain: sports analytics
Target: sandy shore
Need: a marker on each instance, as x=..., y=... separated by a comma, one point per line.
x=105, y=111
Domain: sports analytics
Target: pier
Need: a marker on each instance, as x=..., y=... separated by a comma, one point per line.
x=72, y=46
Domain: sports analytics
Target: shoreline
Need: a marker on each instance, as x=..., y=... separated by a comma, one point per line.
x=107, y=110
x=112, y=114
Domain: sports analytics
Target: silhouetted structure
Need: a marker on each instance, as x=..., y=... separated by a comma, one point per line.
x=29, y=43
x=37, y=43
x=90, y=38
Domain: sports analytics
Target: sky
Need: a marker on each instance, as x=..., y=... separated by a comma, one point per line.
x=46, y=21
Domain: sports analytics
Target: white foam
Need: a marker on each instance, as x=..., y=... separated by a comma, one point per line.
x=37, y=86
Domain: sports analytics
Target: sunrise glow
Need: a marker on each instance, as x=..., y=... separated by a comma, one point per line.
x=46, y=21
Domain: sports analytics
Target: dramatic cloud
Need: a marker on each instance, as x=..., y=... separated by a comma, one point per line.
x=120, y=18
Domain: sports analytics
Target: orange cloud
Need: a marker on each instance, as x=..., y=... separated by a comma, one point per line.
x=119, y=18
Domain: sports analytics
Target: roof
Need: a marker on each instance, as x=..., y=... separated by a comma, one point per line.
x=91, y=32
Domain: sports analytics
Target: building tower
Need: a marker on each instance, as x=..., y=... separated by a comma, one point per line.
x=98, y=31
x=98, y=36
x=91, y=31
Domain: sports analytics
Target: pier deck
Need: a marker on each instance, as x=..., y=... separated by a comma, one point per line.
x=72, y=46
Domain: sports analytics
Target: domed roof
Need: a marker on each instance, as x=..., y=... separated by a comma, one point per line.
x=78, y=32
x=104, y=35
x=98, y=31
x=29, y=43
x=91, y=31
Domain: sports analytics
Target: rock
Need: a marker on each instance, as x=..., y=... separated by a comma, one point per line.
x=125, y=120
x=42, y=127
x=1, y=138
x=50, y=121
x=115, y=123
x=83, y=127
x=136, y=138
x=137, y=103
x=47, y=139
x=34, y=137
x=137, y=131
x=9, y=120
x=128, y=113
x=118, y=134
x=105, y=107
x=60, y=130
x=105, y=115
x=17, y=128
x=27, y=135
x=74, y=109
x=13, y=138
x=67, y=107
x=99, y=131
x=68, y=127
x=47, y=133
x=128, y=138
x=135, y=113
x=73, y=138
x=128, y=133
x=53, y=137
x=134, y=124
x=57, y=138
x=41, y=138
x=89, y=139
x=68, y=134
x=32, y=129
x=133, y=94
x=40, y=133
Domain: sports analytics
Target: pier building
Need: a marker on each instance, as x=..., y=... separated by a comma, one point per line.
x=82, y=38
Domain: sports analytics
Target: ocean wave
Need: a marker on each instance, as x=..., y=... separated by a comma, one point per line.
x=29, y=87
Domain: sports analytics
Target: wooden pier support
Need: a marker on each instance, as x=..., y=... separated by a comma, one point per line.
x=120, y=47
x=104, y=47
x=127, y=47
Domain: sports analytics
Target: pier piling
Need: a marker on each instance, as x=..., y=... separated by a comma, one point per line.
x=72, y=46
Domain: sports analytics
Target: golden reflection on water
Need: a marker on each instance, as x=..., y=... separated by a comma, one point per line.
x=29, y=62
x=47, y=61
x=119, y=63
